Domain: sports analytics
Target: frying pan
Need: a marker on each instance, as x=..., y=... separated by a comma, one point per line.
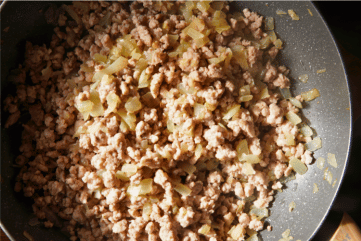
x=308, y=47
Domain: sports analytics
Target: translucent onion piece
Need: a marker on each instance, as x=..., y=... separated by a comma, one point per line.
x=314, y=145
x=320, y=71
x=327, y=175
x=245, y=98
x=203, y=6
x=143, y=80
x=238, y=232
x=145, y=186
x=253, y=237
x=265, y=42
x=331, y=159
x=247, y=169
x=147, y=208
x=259, y=213
x=133, y=104
x=280, y=12
x=303, y=78
x=85, y=106
x=286, y=233
x=269, y=23
x=298, y=166
x=263, y=94
x=242, y=148
x=296, y=102
x=122, y=176
x=129, y=119
x=320, y=163
x=199, y=111
x=278, y=43
x=245, y=90
x=291, y=206
x=272, y=36
x=183, y=90
x=198, y=151
x=286, y=93
x=187, y=167
x=204, y=229
x=141, y=64
x=100, y=58
x=309, y=11
x=231, y=112
x=305, y=130
x=182, y=189
x=28, y=236
x=334, y=183
x=240, y=54
x=72, y=13
x=293, y=118
x=293, y=15
x=315, y=188
x=116, y=66
x=194, y=34
x=170, y=126
x=210, y=107
x=310, y=95
x=252, y=159
x=113, y=102
x=149, y=100
x=212, y=164
x=98, y=109
x=129, y=169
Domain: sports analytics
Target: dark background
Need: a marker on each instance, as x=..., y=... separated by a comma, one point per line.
x=344, y=20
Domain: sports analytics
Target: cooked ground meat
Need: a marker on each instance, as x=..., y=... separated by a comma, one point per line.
x=152, y=125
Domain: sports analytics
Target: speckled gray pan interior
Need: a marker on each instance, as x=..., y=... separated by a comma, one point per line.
x=308, y=47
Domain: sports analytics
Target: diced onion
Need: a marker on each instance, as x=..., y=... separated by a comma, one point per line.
x=245, y=90
x=182, y=189
x=198, y=151
x=72, y=13
x=241, y=55
x=278, y=43
x=252, y=159
x=298, y=166
x=260, y=213
x=238, y=232
x=293, y=118
x=98, y=109
x=187, y=167
x=129, y=119
x=320, y=163
x=147, y=208
x=310, y=95
x=280, y=12
x=315, y=188
x=269, y=23
x=293, y=15
x=183, y=90
x=286, y=93
x=331, y=159
x=245, y=98
x=295, y=102
x=145, y=186
x=263, y=94
x=113, y=101
x=85, y=106
x=28, y=236
x=320, y=71
x=242, y=148
x=327, y=175
x=303, y=78
x=100, y=58
x=291, y=206
x=143, y=80
x=286, y=233
x=133, y=104
x=129, y=169
x=149, y=100
x=231, y=112
x=170, y=125
x=290, y=139
x=199, y=111
x=247, y=169
x=314, y=145
x=204, y=229
x=122, y=176
x=306, y=130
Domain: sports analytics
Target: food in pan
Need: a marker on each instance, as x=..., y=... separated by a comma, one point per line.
x=166, y=122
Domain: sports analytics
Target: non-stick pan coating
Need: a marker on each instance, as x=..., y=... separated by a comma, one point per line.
x=308, y=47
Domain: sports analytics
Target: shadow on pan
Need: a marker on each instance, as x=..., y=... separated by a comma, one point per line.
x=308, y=47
